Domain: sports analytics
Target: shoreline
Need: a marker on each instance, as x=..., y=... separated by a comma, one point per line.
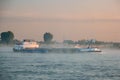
x=68, y=45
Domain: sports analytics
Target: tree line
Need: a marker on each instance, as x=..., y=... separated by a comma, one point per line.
x=8, y=37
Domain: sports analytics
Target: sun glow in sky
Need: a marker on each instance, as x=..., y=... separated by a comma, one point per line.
x=65, y=19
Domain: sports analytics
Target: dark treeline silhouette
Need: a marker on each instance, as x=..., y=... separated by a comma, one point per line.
x=47, y=37
x=7, y=37
x=84, y=42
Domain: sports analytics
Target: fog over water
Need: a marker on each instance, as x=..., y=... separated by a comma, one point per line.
x=66, y=20
x=59, y=66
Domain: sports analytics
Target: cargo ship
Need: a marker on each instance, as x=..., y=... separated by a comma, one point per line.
x=31, y=46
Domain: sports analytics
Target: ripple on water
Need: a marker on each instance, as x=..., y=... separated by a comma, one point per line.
x=17, y=66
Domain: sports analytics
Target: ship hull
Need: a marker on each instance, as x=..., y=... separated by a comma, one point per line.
x=57, y=50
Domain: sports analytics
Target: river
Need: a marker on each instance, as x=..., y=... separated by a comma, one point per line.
x=59, y=66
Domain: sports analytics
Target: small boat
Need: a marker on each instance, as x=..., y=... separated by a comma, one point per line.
x=32, y=46
x=90, y=50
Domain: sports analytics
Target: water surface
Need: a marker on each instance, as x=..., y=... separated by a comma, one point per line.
x=59, y=66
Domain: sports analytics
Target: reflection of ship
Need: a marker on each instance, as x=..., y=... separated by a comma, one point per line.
x=32, y=46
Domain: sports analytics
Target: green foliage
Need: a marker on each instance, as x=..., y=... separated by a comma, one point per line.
x=48, y=37
x=116, y=45
x=7, y=37
x=68, y=41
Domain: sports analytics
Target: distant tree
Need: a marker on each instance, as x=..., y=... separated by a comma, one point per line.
x=68, y=41
x=7, y=37
x=48, y=37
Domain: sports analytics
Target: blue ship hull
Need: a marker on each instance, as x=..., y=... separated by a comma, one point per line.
x=57, y=50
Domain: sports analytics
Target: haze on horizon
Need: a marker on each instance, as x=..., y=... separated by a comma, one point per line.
x=65, y=19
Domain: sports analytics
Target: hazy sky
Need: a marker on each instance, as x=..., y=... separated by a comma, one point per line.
x=65, y=19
